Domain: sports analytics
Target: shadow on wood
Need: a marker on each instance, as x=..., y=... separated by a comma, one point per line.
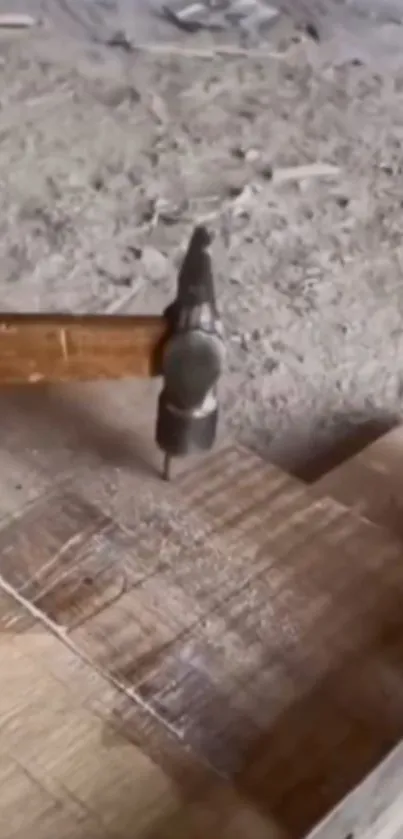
x=314, y=754
x=352, y=441
x=325, y=744
x=309, y=457
x=259, y=629
x=50, y=424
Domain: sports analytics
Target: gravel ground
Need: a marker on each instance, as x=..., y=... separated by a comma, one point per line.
x=107, y=159
x=366, y=30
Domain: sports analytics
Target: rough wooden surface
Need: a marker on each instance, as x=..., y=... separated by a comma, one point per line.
x=71, y=760
x=50, y=432
x=56, y=348
x=371, y=482
x=365, y=683
x=255, y=628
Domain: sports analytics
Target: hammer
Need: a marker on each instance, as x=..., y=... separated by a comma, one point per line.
x=185, y=345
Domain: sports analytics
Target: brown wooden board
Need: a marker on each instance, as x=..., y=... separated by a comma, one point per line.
x=256, y=627
x=49, y=433
x=80, y=760
x=61, y=348
x=371, y=482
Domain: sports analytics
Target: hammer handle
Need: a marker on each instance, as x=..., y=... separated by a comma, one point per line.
x=72, y=348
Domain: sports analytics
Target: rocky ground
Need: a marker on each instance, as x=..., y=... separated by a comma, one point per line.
x=367, y=30
x=108, y=156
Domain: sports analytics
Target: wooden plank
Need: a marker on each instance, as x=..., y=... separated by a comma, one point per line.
x=258, y=627
x=52, y=432
x=49, y=432
x=374, y=809
x=371, y=482
x=61, y=348
x=54, y=761
x=73, y=760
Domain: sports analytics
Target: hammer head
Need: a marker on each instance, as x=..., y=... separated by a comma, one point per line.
x=193, y=358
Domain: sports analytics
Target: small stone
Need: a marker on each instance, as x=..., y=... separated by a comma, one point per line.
x=154, y=264
x=167, y=211
x=234, y=190
x=270, y=365
x=97, y=181
x=133, y=176
x=252, y=156
x=266, y=170
x=234, y=183
x=244, y=202
x=115, y=268
x=144, y=209
x=278, y=346
x=238, y=153
x=116, y=95
x=244, y=7
x=196, y=11
x=247, y=113
x=265, y=17
x=312, y=31
x=240, y=212
x=134, y=251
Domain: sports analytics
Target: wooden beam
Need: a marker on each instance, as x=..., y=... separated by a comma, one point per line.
x=59, y=348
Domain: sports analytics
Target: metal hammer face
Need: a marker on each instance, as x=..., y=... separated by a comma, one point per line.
x=192, y=360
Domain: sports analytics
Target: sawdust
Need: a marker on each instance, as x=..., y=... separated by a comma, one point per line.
x=107, y=161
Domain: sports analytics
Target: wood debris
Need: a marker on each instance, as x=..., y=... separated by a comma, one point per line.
x=203, y=53
x=246, y=15
x=183, y=21
x=17, y=21
x=301, y=173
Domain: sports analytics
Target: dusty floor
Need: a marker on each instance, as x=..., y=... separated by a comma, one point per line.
x=106, y=161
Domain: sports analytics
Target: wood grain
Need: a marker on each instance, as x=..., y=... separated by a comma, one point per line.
x=69, y=765
x=60, y=348
x=246, y=620
x=371, y=482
